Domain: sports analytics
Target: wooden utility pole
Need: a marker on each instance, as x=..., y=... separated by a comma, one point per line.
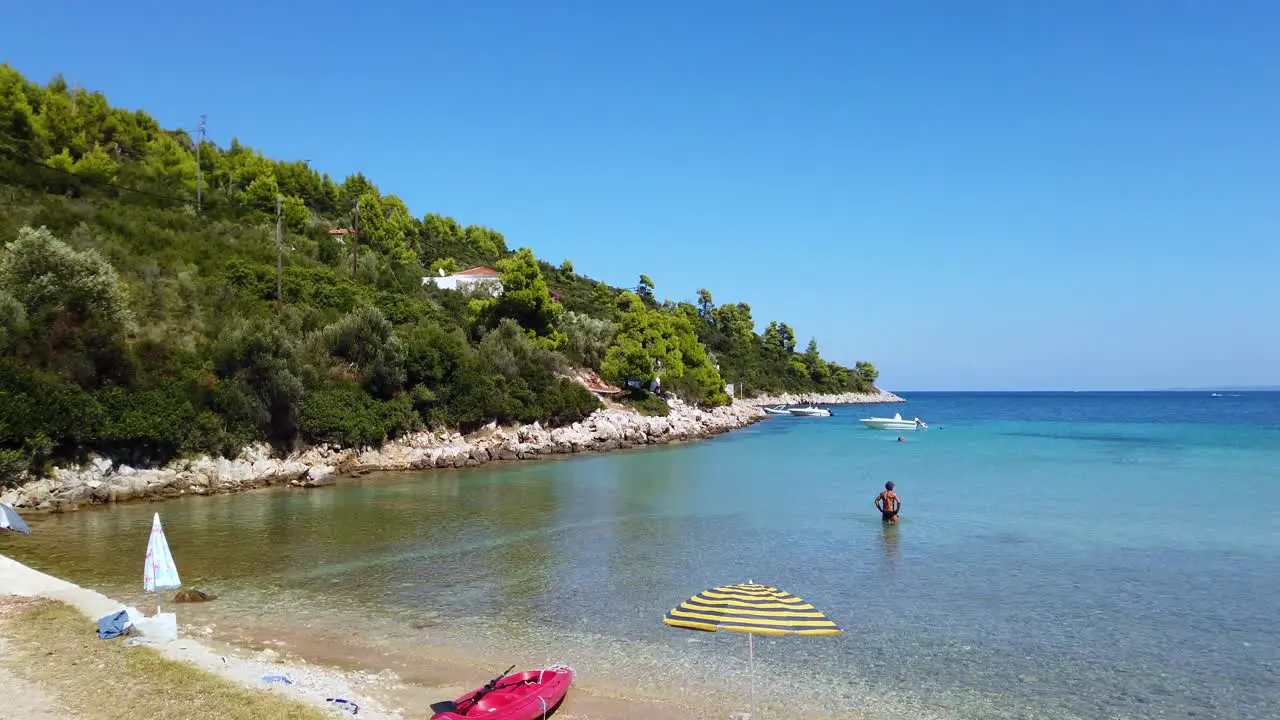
x=279, y=260
x=355, y=243
x=199, y=141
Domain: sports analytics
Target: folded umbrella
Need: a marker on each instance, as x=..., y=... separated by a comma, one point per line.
x=9, y=520
x=160, y=573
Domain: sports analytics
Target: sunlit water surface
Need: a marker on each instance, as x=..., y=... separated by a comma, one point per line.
x=1060, y=556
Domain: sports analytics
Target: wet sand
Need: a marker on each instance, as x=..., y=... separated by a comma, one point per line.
x=429, y=674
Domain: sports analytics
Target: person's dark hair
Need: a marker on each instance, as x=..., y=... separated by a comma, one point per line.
x=888, y=485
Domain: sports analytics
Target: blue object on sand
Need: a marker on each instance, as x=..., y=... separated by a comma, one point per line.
x=345, y=704
x=114, y=625
x=272, y=679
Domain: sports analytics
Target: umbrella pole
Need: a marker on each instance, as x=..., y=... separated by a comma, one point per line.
x=751, y=664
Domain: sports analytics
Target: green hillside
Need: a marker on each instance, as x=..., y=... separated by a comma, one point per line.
x=139, y=323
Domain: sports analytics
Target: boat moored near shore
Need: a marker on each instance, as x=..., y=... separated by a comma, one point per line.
x=894, y=423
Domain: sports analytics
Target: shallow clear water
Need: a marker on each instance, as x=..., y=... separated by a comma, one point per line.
x=1066, y=555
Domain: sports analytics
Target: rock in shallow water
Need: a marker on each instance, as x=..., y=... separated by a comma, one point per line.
x=191, y=595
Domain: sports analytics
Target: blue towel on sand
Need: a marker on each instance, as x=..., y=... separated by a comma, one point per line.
x=114, y=625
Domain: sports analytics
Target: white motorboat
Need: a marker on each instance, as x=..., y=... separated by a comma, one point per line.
x=777, y=410
x=810, y=411
x=894, y=423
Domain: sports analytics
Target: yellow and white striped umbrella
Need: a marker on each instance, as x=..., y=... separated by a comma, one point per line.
x=751, y=608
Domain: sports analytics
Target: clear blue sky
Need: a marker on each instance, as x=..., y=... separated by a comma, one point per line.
x=980, y=194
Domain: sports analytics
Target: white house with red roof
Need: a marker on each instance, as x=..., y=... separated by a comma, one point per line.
x=473, y=279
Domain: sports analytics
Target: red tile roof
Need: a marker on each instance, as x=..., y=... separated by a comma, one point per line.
x=340, y=231
x=478, y=271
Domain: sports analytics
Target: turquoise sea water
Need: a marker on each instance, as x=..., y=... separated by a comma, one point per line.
x=1070, y=555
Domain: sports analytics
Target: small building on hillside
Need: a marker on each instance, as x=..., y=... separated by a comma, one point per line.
x=474, y=279
x=341, y=234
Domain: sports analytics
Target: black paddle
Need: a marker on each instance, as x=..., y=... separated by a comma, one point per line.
x=488, y=688
x=501, y=675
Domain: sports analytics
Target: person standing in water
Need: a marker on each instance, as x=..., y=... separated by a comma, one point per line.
x=888, y=503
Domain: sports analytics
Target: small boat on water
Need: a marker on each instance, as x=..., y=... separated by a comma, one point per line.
x=776, y=410
x=810, y=411
x=528, y=695
x=894, y=423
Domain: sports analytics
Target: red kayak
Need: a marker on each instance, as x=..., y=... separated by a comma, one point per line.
x=529, y=695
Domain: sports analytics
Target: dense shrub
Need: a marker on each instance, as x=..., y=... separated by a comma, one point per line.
x=586, y=339
x=346, y=415
x=66, y=308
x=647, y=403
x=563, y=402
x=433, y=355
x=35, y=403
x=148, y=425
x=365, y=340
x=258, y=363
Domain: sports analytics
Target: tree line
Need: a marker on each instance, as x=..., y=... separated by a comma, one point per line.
x=138, y=325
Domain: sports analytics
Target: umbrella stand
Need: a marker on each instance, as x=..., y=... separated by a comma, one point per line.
x=750, y=609
x=751, y=665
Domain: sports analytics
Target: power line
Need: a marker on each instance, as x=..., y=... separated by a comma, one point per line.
x=90, y=180
x=113, y=147
x=84, y=178
x=118, y=150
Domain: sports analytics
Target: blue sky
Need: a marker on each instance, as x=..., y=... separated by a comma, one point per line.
x=972, y=195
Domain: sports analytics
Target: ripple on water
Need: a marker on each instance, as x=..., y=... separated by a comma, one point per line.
x=1037, y=573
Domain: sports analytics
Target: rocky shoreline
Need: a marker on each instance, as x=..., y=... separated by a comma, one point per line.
x=100, y=481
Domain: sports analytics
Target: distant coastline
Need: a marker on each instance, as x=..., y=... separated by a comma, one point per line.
x=1060, y=391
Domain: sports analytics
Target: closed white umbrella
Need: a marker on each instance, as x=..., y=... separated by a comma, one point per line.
x=9, y=520
x=160, y=572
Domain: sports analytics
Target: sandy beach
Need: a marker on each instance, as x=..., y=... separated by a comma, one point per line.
x=318, y=668
x=311, y=684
